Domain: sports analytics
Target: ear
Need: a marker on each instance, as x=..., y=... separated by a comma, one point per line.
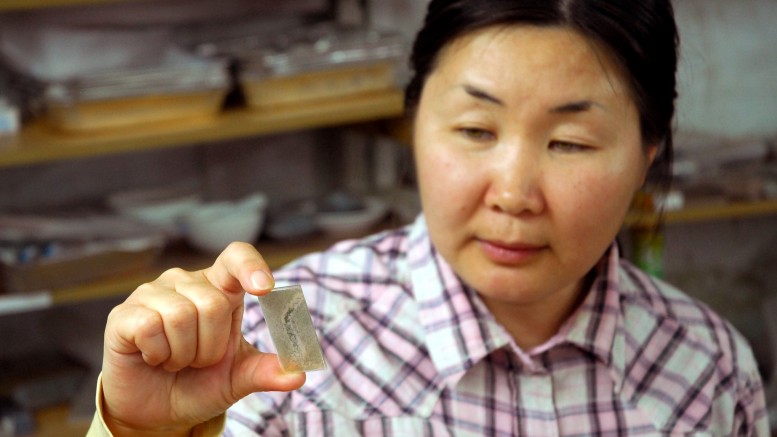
x=650, y=153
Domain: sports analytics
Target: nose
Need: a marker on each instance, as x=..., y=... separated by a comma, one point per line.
x=515, y=186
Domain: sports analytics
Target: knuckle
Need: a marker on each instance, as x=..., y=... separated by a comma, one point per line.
x=174, y=273
x=213, y=306
x=115, y=312
x=114, y=319
x=141, y=293
x=145, y=288
x=149, y=324
x=238, y=247
x=180, y=314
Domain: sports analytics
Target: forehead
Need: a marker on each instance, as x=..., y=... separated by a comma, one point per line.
x=534, y=56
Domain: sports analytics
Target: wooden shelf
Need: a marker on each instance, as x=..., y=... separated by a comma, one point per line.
x=705, y=213
x=56, y=422
x=38, y=143
x=12, y=5
x=275, y=254
x=278, y=254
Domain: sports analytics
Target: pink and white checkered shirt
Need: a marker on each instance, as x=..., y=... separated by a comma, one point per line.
x=412, y=351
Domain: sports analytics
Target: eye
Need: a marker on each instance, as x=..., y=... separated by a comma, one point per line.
x=476, y=134
x=567, y=147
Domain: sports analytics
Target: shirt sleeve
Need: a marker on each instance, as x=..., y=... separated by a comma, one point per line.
x=752, y=417
x=98, y=428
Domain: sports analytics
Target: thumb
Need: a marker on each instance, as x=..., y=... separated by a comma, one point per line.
x=256, y=371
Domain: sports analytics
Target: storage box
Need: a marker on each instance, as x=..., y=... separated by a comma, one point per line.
x=39, y=253
x=269, y=92
x=122, y=98
x=324, y=62
x=9, y=118
x=111, y=258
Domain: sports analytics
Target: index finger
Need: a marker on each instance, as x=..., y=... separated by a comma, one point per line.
x=240, y=267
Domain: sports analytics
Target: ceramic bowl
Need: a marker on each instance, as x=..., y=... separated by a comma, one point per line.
x=161, y=207
x=352, y=222
x=212, y=226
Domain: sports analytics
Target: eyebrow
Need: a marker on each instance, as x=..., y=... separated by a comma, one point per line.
x=482, y=95
x=566, y=108
x=574, y=107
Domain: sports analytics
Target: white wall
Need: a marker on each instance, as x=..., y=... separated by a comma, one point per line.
x=405, y=16
x=728, y=71
x=728, y=89
x=152, y=12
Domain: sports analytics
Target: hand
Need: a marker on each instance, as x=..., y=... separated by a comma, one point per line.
x=174, y=354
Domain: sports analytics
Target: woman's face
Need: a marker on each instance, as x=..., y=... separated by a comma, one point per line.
x=528, y=153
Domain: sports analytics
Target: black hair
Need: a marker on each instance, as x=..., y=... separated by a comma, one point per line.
x=640, y=35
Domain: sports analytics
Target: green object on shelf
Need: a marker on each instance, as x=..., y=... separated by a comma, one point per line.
x=648, y=247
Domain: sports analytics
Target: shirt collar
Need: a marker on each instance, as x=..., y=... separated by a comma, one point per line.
x=459, y=330
x=596, y=326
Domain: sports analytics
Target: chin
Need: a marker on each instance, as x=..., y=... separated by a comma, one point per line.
x=499, y=282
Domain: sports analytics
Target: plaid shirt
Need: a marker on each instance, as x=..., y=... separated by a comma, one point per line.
x=412, y=351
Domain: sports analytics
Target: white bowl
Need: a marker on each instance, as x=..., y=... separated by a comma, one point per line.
x=211, y=227
x=352, y=223
x=161, y=207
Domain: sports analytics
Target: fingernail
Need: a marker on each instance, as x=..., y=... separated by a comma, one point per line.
x=261, y=281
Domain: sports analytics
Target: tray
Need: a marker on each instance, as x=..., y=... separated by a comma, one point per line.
x=275, y=91
x=113, y=258
x=121, y=98
x=321, y=62
x=41, y=252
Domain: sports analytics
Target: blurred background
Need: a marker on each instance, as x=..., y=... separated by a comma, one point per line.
x=137, y=135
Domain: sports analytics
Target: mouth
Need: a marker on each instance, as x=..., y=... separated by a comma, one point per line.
x=505, y=253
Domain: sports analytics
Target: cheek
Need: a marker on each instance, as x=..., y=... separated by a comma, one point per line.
x=429, y=174
x=595, y=202
x=444, y=180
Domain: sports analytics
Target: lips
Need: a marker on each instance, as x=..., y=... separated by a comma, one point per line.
x=510, y=253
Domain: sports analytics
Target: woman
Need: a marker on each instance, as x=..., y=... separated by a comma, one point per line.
x=505, y=309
